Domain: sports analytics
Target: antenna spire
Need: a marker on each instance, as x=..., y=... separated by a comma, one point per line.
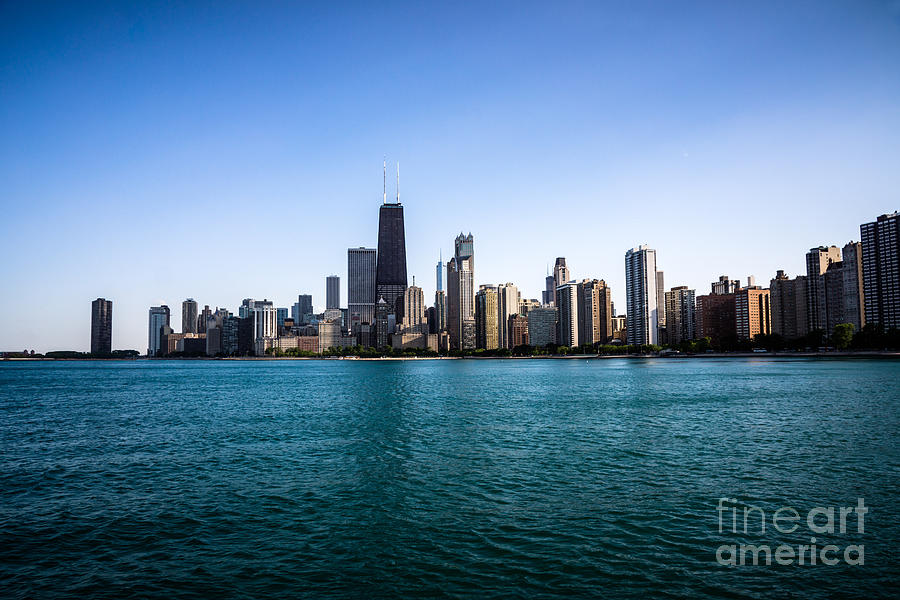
x=384, y=172
x=398, y=182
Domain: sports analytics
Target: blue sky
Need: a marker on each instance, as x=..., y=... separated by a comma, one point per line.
x=220, y=151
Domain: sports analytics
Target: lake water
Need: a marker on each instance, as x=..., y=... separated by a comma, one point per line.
x=460, y=478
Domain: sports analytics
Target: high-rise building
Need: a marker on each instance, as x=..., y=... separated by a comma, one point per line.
x=548, y=296
x=660, y=300
x=189, y=316
x=854, y=310
x=567, y=330
x=518, y=330
x=817, y=262
x=205, y=314
x=594, y=312
x=230, y=326
x=360, y=287
x=390, y=263
x=461, y=294
x=880, y=241
x=413, y=321
x=440, y=311
x=159, y=316
x=715, y=318
x=301, y=311
x=332, y=291
x=680, y=306
x=788, y=301
x=439, y=273
x=725, y=285
x=382, y=322
x=542, y=326
x=507, y=305
x=640, y=295
x=265, y=324
x=752, y=312
x=487, y=329
x=101, y=326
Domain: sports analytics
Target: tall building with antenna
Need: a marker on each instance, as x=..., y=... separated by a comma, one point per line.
x=390, y=269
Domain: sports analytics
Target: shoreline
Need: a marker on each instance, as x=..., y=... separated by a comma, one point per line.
x=714, y=355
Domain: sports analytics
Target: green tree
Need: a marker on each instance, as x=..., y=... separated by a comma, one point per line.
x=842, y=336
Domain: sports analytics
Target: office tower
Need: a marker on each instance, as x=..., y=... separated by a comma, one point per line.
x=461, y=294
x=660, y=300
x=567, y=332
x=542, y=326
x=263, y=322
x=640, y=295
x=189, y=316
x=594, y=312
x=725, y=285
x=382, y=312
x=329, y=334
x=360, y=286
x=752, y=312
x=680, y=307
x=787, y=298
x=390, y=260
x=159, y=316
x=526, y=304
x=440, y=311
x=854, y=310
x=817, y=262
x=439, y=273
x=281, y=315
x=332, y=292
x=413, y=321
x=487, y=330
x=301, y=310
x=518, y=330
x=101, y=326
x=205, y=314
x=715, y=318
x=230, y=325
x=431, y=317
x=548, y=296
x=880, y=241
x=507, y=305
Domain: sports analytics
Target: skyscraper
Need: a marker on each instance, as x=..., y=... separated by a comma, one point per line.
x=752, y=312
x=660, y=299
x=507, y=305
x=854, y=311
x=567, y=324
x=641, y=297
x=439, y=273
x=594, y=312
x=332, y=292
x=680, y=306
x=101, y=326
x=300, y=310
x=189, y=316
x=560, y=276
x=440, y=311
x=788, y=301
x=461, y=294
x=817, y=262
x=542, y=326
x=159, y=316
x=413, y=321
x=360, y=287
x=390, y=269
x=880, y=241
x=548, y=295
x=205, y=314
x=487, y=329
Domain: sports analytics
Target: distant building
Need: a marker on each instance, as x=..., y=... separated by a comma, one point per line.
x=788, y=301
x=487, y=330
x=752, y=312
x=390, y=260
x=854, y=309
x=302, y=310
x=413, y=320
x=507, y=305
x=230, y=325
x=329, y=335
x=440, y=311
x=880, y=241
x=660, y=300
x=101, y=326
x=817, y=262
x=715, y=317
x=382, y=321
x=361, y=287
x=461, y=294
x=618, y=328
x=439, y=274
x=594, y=312
x=641, y=296
x=159, y=316
x=548, y=295
x=205, y=314
x=517, y=325
x=189, y=316
x=332, y=291
x=680, y=310
x=567, y=330
x=526, y=304
x=542, y=326
x=725, y=285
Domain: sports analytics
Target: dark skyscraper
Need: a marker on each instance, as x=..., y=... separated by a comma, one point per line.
x=881, y=270
x=101, y=326
x=390, y=270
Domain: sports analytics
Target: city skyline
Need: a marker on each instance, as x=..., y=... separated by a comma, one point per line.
x=154, y=165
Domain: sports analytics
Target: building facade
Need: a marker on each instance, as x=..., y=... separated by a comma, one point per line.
x=159, y=316
x=680, y=314
x=487, y=329
x=641, y=296
x=542, y=326
x=567, y=325
x=817, y=262
x=752, y=312
x=787, y=298
x=880, y=245
x=101, y=326
x=507, y=305
x=332, y=291
x=189, y=316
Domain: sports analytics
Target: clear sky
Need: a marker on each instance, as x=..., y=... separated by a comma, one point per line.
x=220, y=151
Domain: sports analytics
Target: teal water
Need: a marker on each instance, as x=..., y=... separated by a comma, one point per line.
x=475, y=479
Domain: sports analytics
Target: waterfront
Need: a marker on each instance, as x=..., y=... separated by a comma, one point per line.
x=571, y=478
